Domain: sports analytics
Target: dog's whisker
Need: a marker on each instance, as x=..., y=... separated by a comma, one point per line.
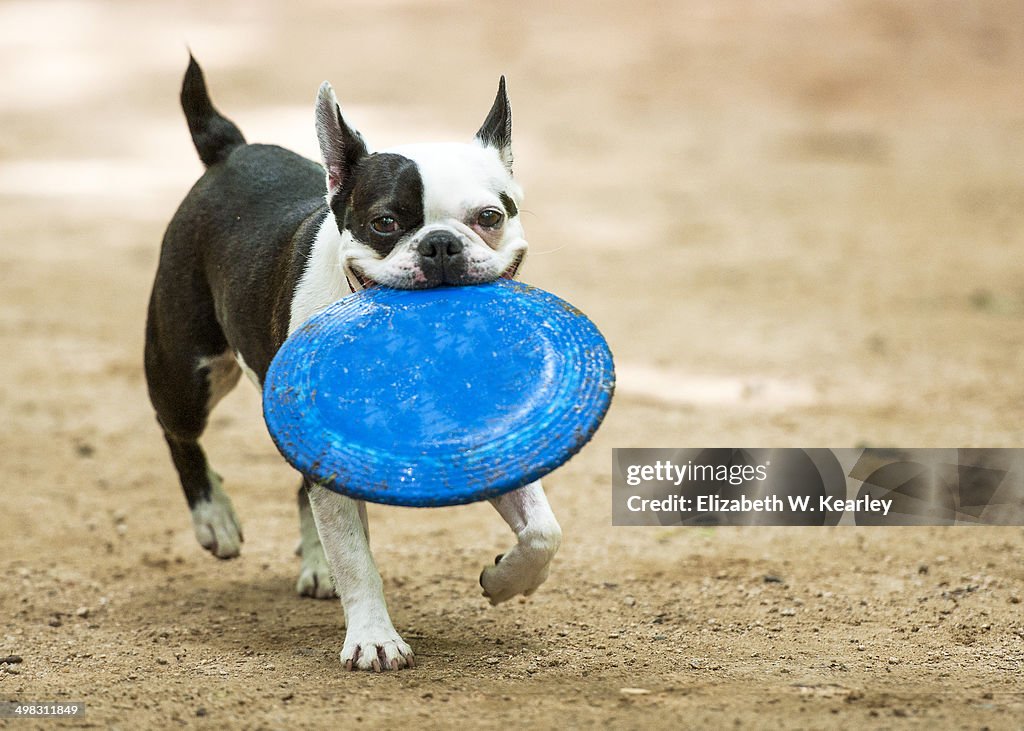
x=550, y=251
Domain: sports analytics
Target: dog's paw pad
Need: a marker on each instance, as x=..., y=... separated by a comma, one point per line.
x=217, y=527
x=377, y=652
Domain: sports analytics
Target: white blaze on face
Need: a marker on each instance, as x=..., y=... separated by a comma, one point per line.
x=459, y=181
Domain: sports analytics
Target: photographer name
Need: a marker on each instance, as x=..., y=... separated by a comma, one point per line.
x=766, y=504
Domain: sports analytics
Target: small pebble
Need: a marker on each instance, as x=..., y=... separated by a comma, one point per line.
x=634, y=691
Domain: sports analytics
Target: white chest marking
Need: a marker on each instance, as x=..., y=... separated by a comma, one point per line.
x=323, y=282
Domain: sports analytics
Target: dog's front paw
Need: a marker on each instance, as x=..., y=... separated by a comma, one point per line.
x=520, y=571
x=315, y=576
x=376, y=649
x=216, y=526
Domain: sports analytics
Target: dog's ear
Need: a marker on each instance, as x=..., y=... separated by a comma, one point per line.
x=341, y=147
x=496, y=131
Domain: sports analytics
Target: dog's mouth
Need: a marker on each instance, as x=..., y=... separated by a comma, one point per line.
x=363, y=281
x=513, y=268
x=358, y=280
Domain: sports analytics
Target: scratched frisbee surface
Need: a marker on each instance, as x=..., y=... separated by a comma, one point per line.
x=438, y=397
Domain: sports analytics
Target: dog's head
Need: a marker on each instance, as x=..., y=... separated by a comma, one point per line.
x=420, y=216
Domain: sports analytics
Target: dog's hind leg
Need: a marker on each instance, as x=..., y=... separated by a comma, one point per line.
x=315, y=575
x=525, y=566
x=189, y=368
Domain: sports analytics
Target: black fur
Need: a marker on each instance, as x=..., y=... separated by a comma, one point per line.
x=239, y=243
x=388, y=185
x=213, y=134
x=341, y=147
x=496, y=130
x=510, y=205
x=231, y=258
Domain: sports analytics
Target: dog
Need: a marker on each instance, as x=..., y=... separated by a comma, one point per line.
x=264, y=240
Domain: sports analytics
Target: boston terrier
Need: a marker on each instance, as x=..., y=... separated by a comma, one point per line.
x=264, y=240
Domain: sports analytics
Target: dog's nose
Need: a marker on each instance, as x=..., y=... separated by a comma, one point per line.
x=440, y=243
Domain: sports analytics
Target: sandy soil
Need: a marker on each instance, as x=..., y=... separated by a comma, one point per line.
x=799, y=224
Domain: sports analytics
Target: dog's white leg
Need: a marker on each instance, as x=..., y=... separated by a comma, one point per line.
x=216, y=526
x=315, y=574
x=525, y=567
x=371, y=642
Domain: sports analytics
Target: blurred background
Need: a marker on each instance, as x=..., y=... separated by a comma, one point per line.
x=798, y=223
x=785, y=204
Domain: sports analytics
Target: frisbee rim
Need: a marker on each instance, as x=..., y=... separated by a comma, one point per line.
x=490, y=468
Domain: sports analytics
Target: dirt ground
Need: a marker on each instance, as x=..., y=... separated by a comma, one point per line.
x=798, y=224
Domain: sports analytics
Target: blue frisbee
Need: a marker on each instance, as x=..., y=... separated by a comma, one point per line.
x=440, y=396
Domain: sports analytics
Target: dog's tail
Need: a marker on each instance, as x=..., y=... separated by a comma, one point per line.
x=213, y=134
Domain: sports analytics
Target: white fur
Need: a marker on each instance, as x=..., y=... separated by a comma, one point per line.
x=459, y=181
x=458, y=178
x=525, y=567
x=216, y=526
x=369, y=632
x=315, y=576
x=249, y=372
x=221, y=377
x=338, y=534
x=324, y=280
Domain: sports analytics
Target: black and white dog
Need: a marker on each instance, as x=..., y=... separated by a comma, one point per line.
x=264, y=240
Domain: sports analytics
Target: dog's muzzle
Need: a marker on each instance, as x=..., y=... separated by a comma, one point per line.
x=442, y=258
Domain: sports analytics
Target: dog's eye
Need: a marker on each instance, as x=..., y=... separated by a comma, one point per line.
x=384, y=225
x=490, y=218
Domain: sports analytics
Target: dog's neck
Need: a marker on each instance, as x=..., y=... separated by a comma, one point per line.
x=324, y=280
